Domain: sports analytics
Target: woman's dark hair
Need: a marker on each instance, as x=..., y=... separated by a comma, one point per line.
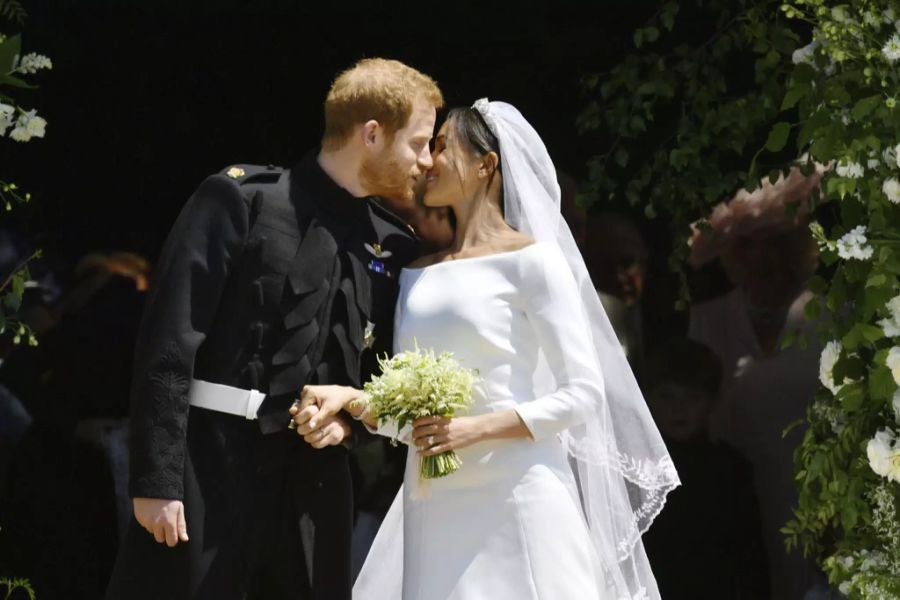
x=471, y=130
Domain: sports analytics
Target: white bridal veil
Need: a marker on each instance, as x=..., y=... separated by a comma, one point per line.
x=620, y=462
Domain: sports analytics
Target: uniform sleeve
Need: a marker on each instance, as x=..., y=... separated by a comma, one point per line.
x=555, y=310
x=206, y=240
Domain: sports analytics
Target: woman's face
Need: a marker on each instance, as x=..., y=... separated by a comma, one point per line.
x=455, y=173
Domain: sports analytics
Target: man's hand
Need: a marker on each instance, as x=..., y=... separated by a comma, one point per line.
x=331, y=431
x=318, y=403
x=164, y=519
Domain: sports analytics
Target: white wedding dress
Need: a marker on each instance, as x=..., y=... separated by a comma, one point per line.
x=508, y=525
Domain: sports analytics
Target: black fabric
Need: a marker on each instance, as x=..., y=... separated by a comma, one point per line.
x=725, y=559
x=266, y=282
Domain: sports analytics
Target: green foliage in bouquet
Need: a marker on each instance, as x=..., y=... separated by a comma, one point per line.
x=721, y=93
x=417, y=384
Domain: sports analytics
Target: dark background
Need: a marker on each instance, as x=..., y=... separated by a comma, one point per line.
x=147, y=98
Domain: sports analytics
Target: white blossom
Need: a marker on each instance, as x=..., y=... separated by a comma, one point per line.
x=6, y=117
x=895, y=404
x=896, y=152
x=884, y=459
x=891, y=49
x=830, y=355
x=891, y=189
x=893, y=363
x=850, y=169
x=28, y=125
x=854, y=244
x=32, y=63
x=891, y=325
x=806, y=54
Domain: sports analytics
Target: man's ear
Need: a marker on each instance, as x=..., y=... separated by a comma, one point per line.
x=371, y=133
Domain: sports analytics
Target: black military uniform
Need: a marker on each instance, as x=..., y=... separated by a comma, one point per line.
x=269, y=280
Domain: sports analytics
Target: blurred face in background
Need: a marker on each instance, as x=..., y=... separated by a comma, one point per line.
x=681, y=412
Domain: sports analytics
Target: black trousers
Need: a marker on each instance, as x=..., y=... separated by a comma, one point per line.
x=268, y=517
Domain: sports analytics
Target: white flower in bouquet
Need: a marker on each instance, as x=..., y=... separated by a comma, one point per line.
x=32, y=63
x=891, y=325
x=893, y=363
x=895, y=403
x=896, y=153
x=6, y=117
x=884, y=455
x=891, y=189
x=28, y=125
x=854, y=244
x=850, y=169
x=417, y=384
x=830, y=355
x=891, y=49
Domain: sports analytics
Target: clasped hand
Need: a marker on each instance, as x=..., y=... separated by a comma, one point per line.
x=316, y=414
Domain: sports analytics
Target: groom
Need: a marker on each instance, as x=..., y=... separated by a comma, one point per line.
x=270, y=280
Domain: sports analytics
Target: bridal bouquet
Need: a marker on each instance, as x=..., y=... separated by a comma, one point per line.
x=417, y=384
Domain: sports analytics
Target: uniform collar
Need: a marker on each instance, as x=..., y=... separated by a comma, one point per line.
x=327, y=194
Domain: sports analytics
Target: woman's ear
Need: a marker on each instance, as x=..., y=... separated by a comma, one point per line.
x=489, y=164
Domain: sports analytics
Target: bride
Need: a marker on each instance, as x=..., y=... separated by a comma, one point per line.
x=563, y=469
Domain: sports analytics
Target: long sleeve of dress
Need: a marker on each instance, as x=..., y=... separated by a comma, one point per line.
x=554, y=308
x=207, y=238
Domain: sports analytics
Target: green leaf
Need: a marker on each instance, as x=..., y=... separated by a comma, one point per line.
x=849, y=516
x=16, y=82
x=621, y=157
x=667, y=17
x=881, y=384
x=870, y=332
x=9, y=50
x=863, y=107
x=851, y=397
x=793, y=95
x=876, y=280
x=778, y=136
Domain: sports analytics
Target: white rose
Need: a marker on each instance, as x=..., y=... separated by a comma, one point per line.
x=891, y=325
x=830, y=355
x=884, y=458
x=893, y=363
x=891, y=189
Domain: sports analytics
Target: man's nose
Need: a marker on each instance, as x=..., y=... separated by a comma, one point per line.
x=425, y=161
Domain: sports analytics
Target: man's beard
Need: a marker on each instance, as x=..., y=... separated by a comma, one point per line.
x=382, y=176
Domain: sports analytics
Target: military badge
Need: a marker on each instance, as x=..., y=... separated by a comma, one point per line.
x=369, y=335
x=235, y=172
x=378, y=251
